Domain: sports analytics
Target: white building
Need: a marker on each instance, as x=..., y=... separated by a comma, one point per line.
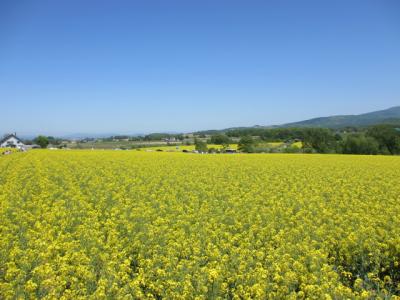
x=11, y=141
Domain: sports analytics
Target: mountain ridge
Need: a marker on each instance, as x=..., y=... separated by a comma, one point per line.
x=389, y=115
x=386, y=116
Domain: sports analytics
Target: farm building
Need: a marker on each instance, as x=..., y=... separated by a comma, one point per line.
x=11, y=141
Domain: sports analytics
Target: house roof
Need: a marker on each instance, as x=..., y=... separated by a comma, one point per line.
x=7, y=136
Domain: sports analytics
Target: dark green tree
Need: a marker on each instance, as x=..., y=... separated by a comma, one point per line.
x=321, y=140
x=200, y=145
x=246, y=144
x=388, y=138
x=42, y=141
x=359, y=144
x=220, y=139
x=54, y=141
x=212, y=150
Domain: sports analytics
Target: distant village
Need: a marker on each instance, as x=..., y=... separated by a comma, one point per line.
x=160, y=142
x=11, y=143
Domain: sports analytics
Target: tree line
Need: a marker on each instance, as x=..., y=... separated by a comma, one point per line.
x=378, y=139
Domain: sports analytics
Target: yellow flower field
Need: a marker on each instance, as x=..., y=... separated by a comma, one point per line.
x=137, y=225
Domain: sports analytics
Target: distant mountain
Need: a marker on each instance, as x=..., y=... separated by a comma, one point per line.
x=389, y=116
x=386, y=116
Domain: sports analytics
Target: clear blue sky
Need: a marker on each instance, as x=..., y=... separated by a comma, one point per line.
x=151, y=66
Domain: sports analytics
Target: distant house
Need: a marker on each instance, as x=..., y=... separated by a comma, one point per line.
x=11, y=141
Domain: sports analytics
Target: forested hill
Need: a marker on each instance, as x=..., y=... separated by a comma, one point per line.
x=388, y=116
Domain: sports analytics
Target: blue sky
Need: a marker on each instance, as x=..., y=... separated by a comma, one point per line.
x=152, y=66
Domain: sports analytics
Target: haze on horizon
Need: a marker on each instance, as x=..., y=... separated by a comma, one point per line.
x=151, y=66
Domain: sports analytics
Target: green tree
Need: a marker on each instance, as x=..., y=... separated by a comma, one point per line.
x=320, y=139
x=54, y=141
x=291, y=149
x=359, y=144
x=42, y=141
x=212, y=150
x=200, y=145
x=246, y=144
x=220, y=139
x=387, y=137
